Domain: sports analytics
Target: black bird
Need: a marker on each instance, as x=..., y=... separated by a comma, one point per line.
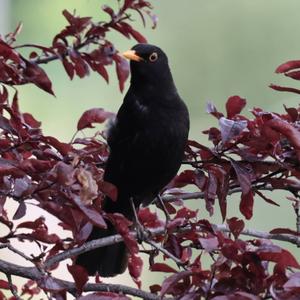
x=147, y=142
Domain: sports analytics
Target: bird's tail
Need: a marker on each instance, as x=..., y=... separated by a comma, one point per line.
x=109, y=260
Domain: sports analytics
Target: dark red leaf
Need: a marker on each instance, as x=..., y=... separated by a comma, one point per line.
x=35, y=165
x=32, y=224
x=9, y=53
x=122, y=69
x=69, y=67
x=149, y=219
x=287, y=130
x=186, y=254
x=108, y=10
x=155, y=288
x=80, y=276
x=63, y=148
x=293, y=74
x=4, y=284
x=80, y=66
x=135, y=34
x=284, y=231
x=169, y=282
x=246, y=205
x=287, y=66
x=138, y=36
x=284, y=258
x=214, y=135
x=244, y=174
x=135, y=267
x=90, y=213
x=293, y=113
x=234, y=106
x=189, y=177
x=68, y=16
x=41, y=234
x=284, y=89
x=122, y=224
x=31, y=121
x=36, y=75
x=77, y=23
x=186, y=213
x=108, y=189
x=102, y=71
x=94, y=115
x=236, y=226
x=30, y=288
x=211, y=191
x=161, y=267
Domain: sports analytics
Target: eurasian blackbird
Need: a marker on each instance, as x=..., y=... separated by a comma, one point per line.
x=147, y=142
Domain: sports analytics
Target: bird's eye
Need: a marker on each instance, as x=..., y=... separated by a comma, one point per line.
x=153, y=57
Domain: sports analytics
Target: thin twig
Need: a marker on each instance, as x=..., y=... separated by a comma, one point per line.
x=12, y=288
x=13, y=249
x=167, y=253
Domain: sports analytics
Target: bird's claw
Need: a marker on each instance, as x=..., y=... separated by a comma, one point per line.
x=142, y=234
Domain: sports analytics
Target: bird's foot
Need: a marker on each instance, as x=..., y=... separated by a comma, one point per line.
x=142, y=234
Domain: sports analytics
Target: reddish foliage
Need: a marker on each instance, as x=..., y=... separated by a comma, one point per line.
x=94, y=115
x=70, y=46
x=80, y=277
x=246, y=156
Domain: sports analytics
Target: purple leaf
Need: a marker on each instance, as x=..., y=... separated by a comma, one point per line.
x=246, y=205
x=93, y=115
x=80, y=276
x=234, y=106
x=236, y=226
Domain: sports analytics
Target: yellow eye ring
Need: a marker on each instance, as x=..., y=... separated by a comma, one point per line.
x=153, y=57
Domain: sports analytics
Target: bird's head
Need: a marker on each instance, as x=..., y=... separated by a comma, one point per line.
x=148, y=64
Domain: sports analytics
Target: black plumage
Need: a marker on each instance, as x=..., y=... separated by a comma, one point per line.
x=147, y=142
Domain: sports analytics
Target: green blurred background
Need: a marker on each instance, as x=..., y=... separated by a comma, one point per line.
x=216, y=48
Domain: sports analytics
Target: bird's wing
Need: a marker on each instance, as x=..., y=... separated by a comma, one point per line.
x=124, y=139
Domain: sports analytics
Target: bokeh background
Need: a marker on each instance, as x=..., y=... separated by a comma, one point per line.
x=216, y=49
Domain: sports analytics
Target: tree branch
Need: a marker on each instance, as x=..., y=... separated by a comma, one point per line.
x=233, y=190
x=167, y=253
x=88, y=246
x=13, y=249
x=35, y=274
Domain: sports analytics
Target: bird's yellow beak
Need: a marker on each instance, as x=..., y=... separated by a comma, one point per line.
x=131, y=54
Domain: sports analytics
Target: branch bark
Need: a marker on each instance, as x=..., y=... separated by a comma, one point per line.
x=34, y=274
x=233, y=190
x=154, y=232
